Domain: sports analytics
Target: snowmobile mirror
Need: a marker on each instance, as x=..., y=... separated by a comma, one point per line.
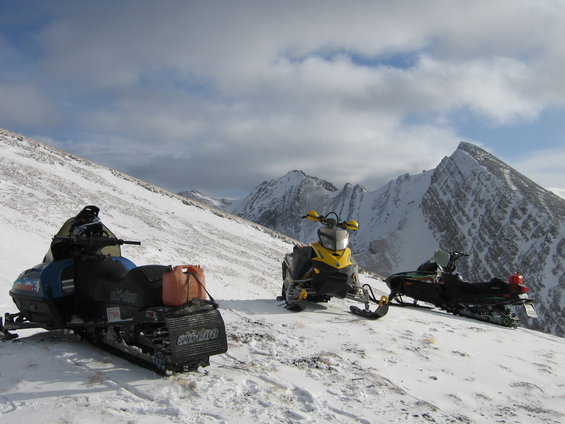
x=312, y=216
x=352, y=225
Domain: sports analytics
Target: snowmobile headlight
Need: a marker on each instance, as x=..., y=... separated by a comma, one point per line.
x=333, y=244
x=333, y=239
x=341, y=244
x=327, y=241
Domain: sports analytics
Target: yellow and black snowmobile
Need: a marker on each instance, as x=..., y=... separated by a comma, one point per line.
x=327, y=269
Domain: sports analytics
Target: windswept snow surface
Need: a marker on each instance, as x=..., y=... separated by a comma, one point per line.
x=323, y=365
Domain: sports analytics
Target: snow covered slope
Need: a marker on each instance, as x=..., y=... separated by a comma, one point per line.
x=323, y=365
x=471, y=202
x=202, y=198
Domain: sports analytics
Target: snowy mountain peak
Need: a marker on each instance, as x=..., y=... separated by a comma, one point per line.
x=280, y=203
x=471, y=149
x=302, y=178
x=513, y=179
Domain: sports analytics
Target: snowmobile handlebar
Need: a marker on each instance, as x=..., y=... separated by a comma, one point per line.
x=332, y=222
x=453, y=256
x=94, y=242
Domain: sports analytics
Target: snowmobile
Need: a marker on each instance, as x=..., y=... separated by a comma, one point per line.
x=155, y=315
x=436, y=282
x=327, y=269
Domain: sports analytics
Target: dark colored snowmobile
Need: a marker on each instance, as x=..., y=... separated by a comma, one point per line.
x=157, y=315
x=327, y=269
x=437, y=283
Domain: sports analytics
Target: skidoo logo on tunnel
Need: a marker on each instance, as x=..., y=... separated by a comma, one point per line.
x=198, y=336
x=121, y=295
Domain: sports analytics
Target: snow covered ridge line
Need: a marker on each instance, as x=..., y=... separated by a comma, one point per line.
x=15, y=139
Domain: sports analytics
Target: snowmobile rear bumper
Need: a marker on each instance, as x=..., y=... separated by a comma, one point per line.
x=197, y=336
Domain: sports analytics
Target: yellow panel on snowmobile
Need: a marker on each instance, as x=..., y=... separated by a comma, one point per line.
x=338, y=260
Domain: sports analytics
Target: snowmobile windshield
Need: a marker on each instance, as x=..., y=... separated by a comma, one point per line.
x=441, y=257
x=56, y=252
x=90, y=229
x=333, y=239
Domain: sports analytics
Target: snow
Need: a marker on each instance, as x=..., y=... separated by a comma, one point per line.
x=318, y=366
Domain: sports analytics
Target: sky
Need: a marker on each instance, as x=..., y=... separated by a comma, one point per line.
x=219, y=96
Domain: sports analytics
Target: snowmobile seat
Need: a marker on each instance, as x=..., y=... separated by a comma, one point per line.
x=109, y=281
x=145, y=281
x=494, y=286
x=454, y=283
x=301, y=261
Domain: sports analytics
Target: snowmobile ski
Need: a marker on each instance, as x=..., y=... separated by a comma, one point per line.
x=367, y=297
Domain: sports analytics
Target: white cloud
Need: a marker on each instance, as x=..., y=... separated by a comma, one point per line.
x=545, y=167
x=353, y=92
x=25, y=105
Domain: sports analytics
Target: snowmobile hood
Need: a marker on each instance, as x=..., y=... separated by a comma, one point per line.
x=336, y=259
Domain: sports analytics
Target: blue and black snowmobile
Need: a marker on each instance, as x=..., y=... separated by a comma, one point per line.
x=436, y=282
x=152, y=314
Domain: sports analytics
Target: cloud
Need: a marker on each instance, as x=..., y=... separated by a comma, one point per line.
x=227, y=94
x=25, y=105
x=545, y=167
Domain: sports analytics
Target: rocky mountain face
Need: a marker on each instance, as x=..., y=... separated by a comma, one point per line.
x=506, y=222
x=280, y=204
x=471, y=202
